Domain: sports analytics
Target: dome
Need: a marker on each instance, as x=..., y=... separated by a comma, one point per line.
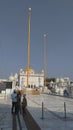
x=11, y=77
x=61, y=80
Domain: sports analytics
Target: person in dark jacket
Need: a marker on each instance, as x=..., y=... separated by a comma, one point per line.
x=24, y=104
x=18, y=109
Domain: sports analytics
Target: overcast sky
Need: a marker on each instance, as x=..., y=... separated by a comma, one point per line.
x=53, y=17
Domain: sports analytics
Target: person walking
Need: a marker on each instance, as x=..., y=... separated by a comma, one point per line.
x=14, y=102
x=24, y=104
x=18, y=107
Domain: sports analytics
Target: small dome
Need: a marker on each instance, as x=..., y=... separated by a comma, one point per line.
x=11, y=77
x=61, y=80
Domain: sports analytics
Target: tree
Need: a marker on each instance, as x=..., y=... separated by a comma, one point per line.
x=48, y=80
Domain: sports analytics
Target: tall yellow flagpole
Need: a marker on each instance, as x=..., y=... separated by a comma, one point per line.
x=29, y=13
x=44, y=59
x=28, y=66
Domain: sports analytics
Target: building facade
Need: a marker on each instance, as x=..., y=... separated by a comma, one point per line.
x=35, y=80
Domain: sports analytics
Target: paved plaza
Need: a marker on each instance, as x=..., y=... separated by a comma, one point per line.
x=50, y=112
x=54, y=116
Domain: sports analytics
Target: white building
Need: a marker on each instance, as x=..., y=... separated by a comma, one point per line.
x=62, y=84
x=35, y=80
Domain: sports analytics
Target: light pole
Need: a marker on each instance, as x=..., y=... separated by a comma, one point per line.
x=44, y=59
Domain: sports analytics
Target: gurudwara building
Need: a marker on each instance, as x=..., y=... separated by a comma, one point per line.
x=31, y=80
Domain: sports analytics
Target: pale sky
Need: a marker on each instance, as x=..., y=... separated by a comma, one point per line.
x=53, y=17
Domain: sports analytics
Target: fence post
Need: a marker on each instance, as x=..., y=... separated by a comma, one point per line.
x=65, y=110
x=42, y=110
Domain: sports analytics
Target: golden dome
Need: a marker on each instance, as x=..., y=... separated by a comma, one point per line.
x=30, y=70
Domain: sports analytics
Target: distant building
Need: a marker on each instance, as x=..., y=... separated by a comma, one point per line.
x=5, y=86
x=35, y=80
x=61, y=85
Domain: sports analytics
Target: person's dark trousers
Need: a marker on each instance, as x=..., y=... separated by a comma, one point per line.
x=14, y=107
x=23, y=110
x=18, y=108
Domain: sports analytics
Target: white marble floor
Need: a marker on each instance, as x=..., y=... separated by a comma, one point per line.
x=53, y=112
